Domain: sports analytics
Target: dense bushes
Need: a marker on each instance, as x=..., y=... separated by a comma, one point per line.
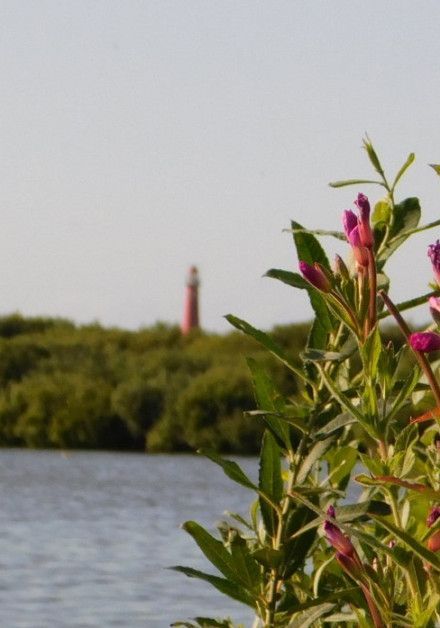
x=88, y=387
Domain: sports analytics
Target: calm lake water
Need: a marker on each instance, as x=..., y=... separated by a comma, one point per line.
x=85, y=538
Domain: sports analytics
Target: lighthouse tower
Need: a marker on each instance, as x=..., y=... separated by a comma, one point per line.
x=191, y=304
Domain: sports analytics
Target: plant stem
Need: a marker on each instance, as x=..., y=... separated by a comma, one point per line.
x=372, y=277
x=420, y=357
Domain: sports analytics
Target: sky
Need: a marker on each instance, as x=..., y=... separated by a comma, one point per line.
x=138, y=138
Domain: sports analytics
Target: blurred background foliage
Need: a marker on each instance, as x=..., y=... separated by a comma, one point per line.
x=90, y=387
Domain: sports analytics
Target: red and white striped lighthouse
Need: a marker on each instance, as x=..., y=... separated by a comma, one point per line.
x=191, y=304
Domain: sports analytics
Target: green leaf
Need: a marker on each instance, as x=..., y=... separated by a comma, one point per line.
x=231, y=469
x=370, y=352
x=363, y=510
x=381, y=212
x=406, y=217
x=309, y=617
x=270, y=480
x=291, y=279
x=269, y=399
x=315, y=454
x=301, y=532
x=345, y=402
x=231, y=589
x=341, y=462
x=319, y=355
x=309, y=250
x=244, y=562
x=404, y=393
x=374, y=159
x=268, y=557
x=307, y=246
x=436, y=168
x=421, y=551
x=214, y=551
x=403, y=169
x=339, y=235
x=270, y=344
x=343, y=419
x=344, y=183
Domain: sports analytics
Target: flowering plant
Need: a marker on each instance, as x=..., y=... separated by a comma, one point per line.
x=306, y=556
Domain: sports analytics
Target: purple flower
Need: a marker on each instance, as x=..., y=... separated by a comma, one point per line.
x=316, y=276
x=425, y=341
x=434, y=256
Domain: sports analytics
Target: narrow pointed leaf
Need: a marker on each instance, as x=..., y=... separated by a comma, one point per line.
x=231, y=469
x=346, y=182
x=231, y=589
x=403, y=169
x=270, y=481
x=421, y=551
x=270, y=344
x=214, y=551
x=316, y=453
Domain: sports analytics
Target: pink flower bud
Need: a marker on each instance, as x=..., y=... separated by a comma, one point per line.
x=434, y=514
x=363, y=204
x=340, y=542
x=425, y=341
x=350, y=221
x=434, y=256
x=315, y=276
x=360, y=251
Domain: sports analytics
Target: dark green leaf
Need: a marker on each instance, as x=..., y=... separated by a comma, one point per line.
x=268, y=342
x=270, y=481
x=315, y=454
x=436, y=168
x=337, y=423
x=269, y=399
x=214, y=551
x=350, y=512
x=268, y=557
x=291, y=279
x=231, y=589
x=307, y=246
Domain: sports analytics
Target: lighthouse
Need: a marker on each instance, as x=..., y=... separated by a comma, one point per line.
x=191, y=304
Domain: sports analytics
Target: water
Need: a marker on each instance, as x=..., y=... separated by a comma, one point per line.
x=85, y=538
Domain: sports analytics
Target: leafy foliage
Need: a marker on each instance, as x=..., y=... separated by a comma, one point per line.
x=306, y=557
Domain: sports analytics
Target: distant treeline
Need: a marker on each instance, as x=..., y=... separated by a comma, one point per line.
x=89, y=387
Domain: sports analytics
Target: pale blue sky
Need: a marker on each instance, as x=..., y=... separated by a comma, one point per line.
x=140, y=137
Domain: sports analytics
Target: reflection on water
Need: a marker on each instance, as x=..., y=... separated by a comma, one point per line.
x=85, y=538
